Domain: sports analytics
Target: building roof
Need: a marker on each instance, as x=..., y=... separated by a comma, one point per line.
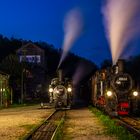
x=29, y=45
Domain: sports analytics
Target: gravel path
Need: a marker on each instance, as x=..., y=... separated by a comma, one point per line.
x=16, y=122
x=81, y=124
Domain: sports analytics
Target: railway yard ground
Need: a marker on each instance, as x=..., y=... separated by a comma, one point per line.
x=16, y=122
x=80, y=124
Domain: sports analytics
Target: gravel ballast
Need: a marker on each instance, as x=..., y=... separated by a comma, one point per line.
x=81, y=124
x=17, y=122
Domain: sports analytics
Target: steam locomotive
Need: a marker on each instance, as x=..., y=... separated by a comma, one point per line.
x=113, y=90
x=60, y=92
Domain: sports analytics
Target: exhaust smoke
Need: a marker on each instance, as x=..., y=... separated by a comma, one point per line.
x=73, y=24
x=83, y=69
x=79, y=74
x=122, y=20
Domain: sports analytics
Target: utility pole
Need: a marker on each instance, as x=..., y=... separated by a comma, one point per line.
x=22, y=86
x=22, y=75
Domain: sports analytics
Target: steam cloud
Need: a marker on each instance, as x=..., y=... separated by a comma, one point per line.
x=78, y=74
x=83, y=69
x=73, y=24
x=122, y=20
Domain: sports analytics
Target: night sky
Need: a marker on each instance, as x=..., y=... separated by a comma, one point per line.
x=42, y=20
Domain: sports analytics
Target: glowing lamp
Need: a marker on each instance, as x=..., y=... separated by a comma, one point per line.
x=135, y=93
x=109, y=93
x=50, y=89
x=57, y=91
x=69, y=89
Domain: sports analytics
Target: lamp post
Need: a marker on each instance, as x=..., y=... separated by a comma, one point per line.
x=22, y=86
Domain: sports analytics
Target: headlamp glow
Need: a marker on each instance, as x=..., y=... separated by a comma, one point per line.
x=50, y=89
x=109, y=93
x=69, y=89
x=135, y=93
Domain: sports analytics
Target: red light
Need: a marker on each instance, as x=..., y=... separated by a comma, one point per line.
x=122, y=112
x=124, y=105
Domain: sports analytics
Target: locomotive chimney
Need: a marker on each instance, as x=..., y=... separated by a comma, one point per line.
x=60, y=75
x=120, y=65
x=114, y=69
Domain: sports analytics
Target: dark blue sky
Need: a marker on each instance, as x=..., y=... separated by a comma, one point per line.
x=42, y=20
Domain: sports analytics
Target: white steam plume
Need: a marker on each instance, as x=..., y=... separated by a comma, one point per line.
x=121, y=18
x=73, y=24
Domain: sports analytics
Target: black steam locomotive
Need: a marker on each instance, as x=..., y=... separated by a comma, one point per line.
x=113, y=90
x=60, y=92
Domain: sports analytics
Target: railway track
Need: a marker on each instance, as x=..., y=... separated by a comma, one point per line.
x=48, y=129
x=132, y=124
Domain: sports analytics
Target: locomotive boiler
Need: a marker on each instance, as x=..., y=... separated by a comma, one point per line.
x=113, y=90
x=60, y=92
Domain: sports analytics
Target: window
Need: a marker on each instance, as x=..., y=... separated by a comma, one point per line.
x=31, y=58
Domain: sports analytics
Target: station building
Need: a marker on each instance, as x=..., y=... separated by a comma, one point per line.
x=33, y=74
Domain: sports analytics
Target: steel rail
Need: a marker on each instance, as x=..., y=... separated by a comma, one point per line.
x=130, y=127
x=48, y=129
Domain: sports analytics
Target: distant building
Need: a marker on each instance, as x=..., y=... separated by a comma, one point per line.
x=33, y=77
x=31, y=53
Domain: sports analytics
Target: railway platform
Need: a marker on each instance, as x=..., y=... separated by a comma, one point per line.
x=81, y=124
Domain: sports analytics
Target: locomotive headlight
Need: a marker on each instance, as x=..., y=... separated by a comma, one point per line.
x=109, y=93
x=57, y=91
x=135, y=93
x=50, y=89
x=69, y=89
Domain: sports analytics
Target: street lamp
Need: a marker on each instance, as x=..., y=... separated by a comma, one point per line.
x=23, y=84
